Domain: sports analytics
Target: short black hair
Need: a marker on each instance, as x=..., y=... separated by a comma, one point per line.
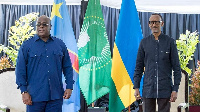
x=158, y=15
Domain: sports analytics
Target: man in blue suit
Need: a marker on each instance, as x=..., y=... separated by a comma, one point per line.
x=40, y=63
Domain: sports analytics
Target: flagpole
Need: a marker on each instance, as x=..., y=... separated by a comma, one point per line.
x=129, y=108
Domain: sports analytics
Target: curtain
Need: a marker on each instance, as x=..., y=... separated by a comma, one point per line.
x=111, y=17
x=174, y=24
x=10, y=13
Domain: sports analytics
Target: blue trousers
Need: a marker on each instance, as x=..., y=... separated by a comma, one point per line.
x=45, y=106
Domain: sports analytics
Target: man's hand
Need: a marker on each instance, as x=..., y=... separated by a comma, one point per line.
x=26, y=98
x=173, y=96
x=137, y=94
x=67, y=93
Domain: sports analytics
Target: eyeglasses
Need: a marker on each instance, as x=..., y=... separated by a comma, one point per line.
x=154, y=22
x=43, y=24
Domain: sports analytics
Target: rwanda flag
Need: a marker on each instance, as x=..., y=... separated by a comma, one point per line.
x=124, y=57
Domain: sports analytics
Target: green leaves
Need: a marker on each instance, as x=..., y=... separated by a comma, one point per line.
x=186, y=46
x=18, y=34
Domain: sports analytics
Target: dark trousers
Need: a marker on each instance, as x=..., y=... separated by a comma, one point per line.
x=149, y=104
x=45, y=106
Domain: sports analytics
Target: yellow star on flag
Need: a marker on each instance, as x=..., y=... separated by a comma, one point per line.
x=55, y=10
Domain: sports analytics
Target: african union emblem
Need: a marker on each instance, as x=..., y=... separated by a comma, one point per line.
x=93, y=44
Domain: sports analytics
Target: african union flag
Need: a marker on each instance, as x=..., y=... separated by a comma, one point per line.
x=94, y=54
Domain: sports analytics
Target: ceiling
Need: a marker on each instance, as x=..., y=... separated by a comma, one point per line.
x=159, y=6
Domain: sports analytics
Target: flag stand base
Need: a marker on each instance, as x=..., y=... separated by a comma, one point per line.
x=96, y=109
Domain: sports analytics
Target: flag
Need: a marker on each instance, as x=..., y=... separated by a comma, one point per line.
x=124, y=57
x=62, y=28
x=94, y=54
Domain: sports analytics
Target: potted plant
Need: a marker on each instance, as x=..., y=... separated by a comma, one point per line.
x=17, y=34
x=22, y=30
x=186, y=45
x=194, y=97
x=4, y=64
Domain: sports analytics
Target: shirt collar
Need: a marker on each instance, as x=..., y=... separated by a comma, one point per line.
x=37, y=37
x=159, y=37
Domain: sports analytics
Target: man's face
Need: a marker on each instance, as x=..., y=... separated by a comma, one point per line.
x=43, y=26
x=155, y=23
